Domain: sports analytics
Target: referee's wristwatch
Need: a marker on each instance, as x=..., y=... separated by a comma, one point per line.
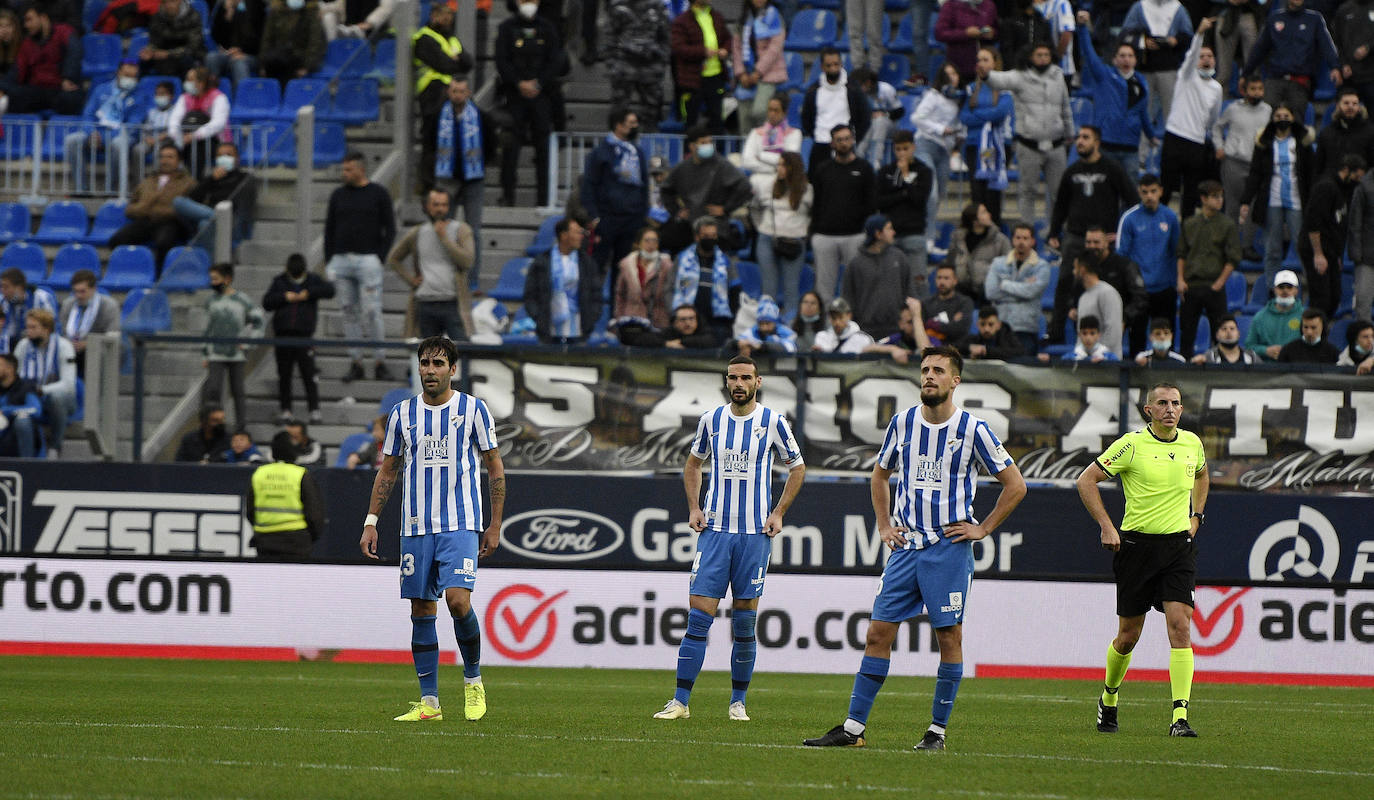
x=1201, y=518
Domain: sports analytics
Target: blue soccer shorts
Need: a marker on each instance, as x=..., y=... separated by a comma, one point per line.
x=937, y=577
x=438, y=561
x=736, y=560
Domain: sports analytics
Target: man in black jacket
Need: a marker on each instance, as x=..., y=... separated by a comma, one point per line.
x=832, y=101
x=1348, y=133
x=1121, y=274
x=207, y=441
x=226, y=180
x=845, y=195
x=530, y=59
x=293, y=298
x=1325, y=226
x=992, y=339
x=902, y=194
x=565, y=305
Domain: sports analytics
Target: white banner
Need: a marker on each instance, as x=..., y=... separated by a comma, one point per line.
x=571, y=618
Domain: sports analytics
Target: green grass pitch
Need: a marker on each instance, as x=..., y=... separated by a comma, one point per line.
x=96, y=728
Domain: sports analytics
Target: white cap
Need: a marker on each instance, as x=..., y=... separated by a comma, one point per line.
x=1286, y=277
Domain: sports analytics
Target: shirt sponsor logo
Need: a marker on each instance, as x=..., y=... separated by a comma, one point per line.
x=735, y=464
x=561, y=534
x=956, y=603
x=434, y=450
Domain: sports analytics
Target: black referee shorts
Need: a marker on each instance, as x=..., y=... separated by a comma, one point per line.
x=1152, y=568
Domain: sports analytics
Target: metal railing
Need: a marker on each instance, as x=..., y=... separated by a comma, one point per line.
x=568, y=153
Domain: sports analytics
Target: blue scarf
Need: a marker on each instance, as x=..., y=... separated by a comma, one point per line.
x=627, y=161
x=40, y=366
x=563, y=303
x=689, y=278
x=992, y=154
x=470, y=138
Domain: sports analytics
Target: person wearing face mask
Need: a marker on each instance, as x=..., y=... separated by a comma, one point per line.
x=701, y=43
x=833, y=100
x=114, y=109
x=1226, y=349
x=226, y=180
x=643, y=283
x=615, y=188
x=1121, y=100
x=155, y=122
x=529, y=59
x=1294, y=44
x=1233, y=136
x=49, y=360
x=1117, y=269
x=703, y=183
x=229, y=315
x=1359, y=347
x=1277, y=187
x=439, y=58
x=293, y=43
x=1161, y=31
x=1161, y=349
x=1044, y=126
x=1348, y=133
x=199, y=118
x=86, y=313
x=637, y=52
x=706, y=280
x=1185, y=159
x=1280, y=321
x=809, y=321
x=152, y=211
x=1325, y=229
x=293, y=298
x=176, y=39
x=209, y=437
x=1311, y=347
x=434, y=258
x=236, y=35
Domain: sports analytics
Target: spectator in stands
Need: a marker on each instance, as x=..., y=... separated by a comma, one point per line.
x=46, y=75
x=768, y=334
x=878, y=280
x=1184, y=158
x=114, y=109
x=764, y=145
x=439, y=58
x=701, y=44
x=1148, y=235
x=909, y=339
x=903, y=193
x=757, y=59
x=1208, y=252
x=1294, y=45
x=1044, y=124
x=637, y=54
x=1233, y=136
x=946, y=315
x=356, y=20
x=207, y=439
x=1021, y=31
x=309, y=453
x=293, y=43
x=843, y=335
x=937, y=130
x=1325, y=230
x=781, y=213
x=922, y=15
x=1100, y=301
x=1226, y=349
x=686, y=333
x=529, y=60
x=1311, y=347
x=987, y=117
x=358, y=230
x=17, y=298
x=49, y=361
x=1360, y=242
x=176, y=39
x=151, y=211
x=229, y=315
x=864, y=23
x=1121, y=101
x=965, y=27
x=615, y=189
x=845, y=196
x=1348, y=133
x=707, y=281
x=465, y=131
x=1353, y=31
x=1279, y=322
x=242, y=450
x=370, y=455
x=884, y=109
x=1015, y=284
x=1089, y=346
x=1161, y=348
x=84, y=312
x=702, y=184
x=1095, y=190
x=1162, y=31
x=226, y=180
x=833, y=101
x=1237, y=28
x=434, y=258
x=1277, y=187
x=563, y=288
x=1124, y=276
x=294, y=298
x=643, y=285
x=809, y=321
x=1358, y=352
x=199, y=119
x=155, y=123
x=10, y=39
x=976, y=243
x=992, y=339
x=19, y=410
x=236, y=36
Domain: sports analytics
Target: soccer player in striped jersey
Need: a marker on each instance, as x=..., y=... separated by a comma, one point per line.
x=736, y=525
x=440, y=435
x=935, y=449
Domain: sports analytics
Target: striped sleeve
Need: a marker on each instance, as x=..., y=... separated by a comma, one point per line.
x=786, y=443
x=701, y=444
x=993, y=456
x=887, y=454
x=484, y=427
x=394, y=444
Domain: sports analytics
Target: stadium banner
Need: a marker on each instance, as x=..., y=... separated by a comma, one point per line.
x=588, y=618
x=602, y=522
x=1297, y=431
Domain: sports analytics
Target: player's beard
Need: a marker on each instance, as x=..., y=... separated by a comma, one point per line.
x=748, y=397
x=933, y=400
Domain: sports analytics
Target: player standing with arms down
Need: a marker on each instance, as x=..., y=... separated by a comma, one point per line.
x=439, y=434
x=1163, y=474
x=740, y=438
x=934, y=448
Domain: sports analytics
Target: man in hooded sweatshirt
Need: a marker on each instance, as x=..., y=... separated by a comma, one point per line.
x=878, y=280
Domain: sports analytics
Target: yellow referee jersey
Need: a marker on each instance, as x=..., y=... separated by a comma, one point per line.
x=1156, y=477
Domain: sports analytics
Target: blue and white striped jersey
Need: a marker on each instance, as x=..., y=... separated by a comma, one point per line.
x=741, y=450
x=936, y=474
x=442, y=490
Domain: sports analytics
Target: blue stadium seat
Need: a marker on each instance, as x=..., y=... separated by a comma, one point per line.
x=895, y=70
x=27, y=258
x=1347, y=296
x=278, y=137
x=893, y=6
x=1259, y=295
x=1336, y=335
x=900, y=41
x=146, y=311
x=64, y=221
x=543, y=239
x=330, y=145
x=351, y=444
x=1047, y=298
x=1203, y=340
x=510, y=287
x=346, y=58
x=355, y=102
x=56, y=130
x=138, y=39
x=19, y=136
x=518, y=321
x=302, y=92
x=69, y=259
x=794, y=109
x=100, y=55
x=186, y=269
x=750, y=279
x=384, y=60
x=131, y=267
x=255, y=99
x=1243, y=323
x=812, y=29
x=1082, y=110
x=909, y=103
x=15, y=222
x=91, y=12
x=807, y=281
x=796, y=72
x=108, y=219
x=1324, y=91
x=391, y=398
x=204, y=11
x=1235, y=292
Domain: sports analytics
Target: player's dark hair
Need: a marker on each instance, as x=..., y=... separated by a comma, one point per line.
x=1161, y=324
x=1090, y=322
x=1085, y=262
x=986, y=311
x=1209, y=188
x=1356, y=328
x=1093, y=129
x=283, y=447
x=1024, y=226
x=696, y=133
x=944, y=265
x=224, y=269
x=1316, y=313
x=743, y=360
x=843, y=126
x=443, y=345
x=1151, y=393
x=1353, y=162
x=955, y=359
x=903, y=137
x=829, y=51
x=561, y=226
x=1149, y=179
x=83, y=277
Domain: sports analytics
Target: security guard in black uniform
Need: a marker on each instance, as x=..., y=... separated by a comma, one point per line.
x=284, y=506
x=529, y=60
x=438, y=56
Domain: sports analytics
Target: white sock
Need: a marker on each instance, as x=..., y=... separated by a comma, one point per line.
x=431, y=700
x=940, y=729
x=853, y=727
x=469, y=681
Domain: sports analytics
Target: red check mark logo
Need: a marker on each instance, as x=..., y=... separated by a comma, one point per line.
x=521, y=626
x=1207, y=623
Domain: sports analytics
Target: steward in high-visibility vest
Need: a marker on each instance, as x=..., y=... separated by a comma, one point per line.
x=284, y=506
x=437, y=56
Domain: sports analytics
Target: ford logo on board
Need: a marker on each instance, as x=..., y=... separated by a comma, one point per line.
x=561, y=534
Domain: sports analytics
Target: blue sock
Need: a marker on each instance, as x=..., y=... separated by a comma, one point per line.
x=946, y=688
x=469, y=644
x=867, y=681
x=424, y=649
x=691, y=653
x=742, y=659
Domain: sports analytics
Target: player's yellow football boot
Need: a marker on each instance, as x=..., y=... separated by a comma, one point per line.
x=474, y=701
x=421, y=712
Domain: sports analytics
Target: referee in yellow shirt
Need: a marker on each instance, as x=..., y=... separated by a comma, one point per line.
x=1163, y=474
